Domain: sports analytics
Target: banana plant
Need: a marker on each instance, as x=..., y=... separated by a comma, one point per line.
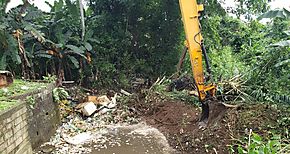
x=282, y=44
x=58, y=43
x=63, y=43
x=8, y=43
x=3, y=5
x=276, y=13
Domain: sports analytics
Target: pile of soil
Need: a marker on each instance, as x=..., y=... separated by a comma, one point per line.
x=178, y=121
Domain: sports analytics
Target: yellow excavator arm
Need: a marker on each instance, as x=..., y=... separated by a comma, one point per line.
x=190, y=12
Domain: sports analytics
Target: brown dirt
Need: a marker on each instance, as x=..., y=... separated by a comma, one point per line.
x=178, y=121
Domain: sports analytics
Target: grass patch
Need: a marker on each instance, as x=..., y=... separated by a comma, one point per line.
x=7, y=104
x=18, y=87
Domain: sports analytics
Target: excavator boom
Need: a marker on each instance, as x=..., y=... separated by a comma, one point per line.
x=190, y=12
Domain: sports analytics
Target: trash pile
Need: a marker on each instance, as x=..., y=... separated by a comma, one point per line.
x=85, y=120
x=101, y=104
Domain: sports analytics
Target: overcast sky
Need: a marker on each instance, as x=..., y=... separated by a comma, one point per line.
x=41, y=4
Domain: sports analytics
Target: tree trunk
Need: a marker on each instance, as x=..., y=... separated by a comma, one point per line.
x=60, y=74
x=82, y=19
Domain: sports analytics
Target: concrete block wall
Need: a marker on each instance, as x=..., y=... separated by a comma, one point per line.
x=14, y=131
x=23, y=128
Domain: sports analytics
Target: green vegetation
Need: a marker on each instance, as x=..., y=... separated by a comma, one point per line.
x=17, y=88
x=124, y=39
x=30, y=101
x=265, y=130
x=5, y=104
x=255, y=144
x=59, y=94
x=20, y=87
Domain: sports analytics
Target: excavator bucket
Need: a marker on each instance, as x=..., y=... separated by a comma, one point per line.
x=212, y=111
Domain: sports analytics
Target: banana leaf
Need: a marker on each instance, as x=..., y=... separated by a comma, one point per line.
x=280, y=13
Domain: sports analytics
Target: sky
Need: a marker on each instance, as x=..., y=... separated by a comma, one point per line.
x=274, y=4
x=41, y=4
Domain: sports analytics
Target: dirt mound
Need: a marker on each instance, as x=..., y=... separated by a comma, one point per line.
x=178, y=121
x=175, y=117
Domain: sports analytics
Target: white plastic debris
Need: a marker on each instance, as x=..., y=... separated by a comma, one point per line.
x=114, y=99
x=111, y=105
x=105, y=110
x=89, y=108
x=24, y=88
x=79, y=139
x=5, y=90
x=125, y=92
x=113, y=102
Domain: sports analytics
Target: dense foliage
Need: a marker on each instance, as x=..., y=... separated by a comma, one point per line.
x=125, y=39
x=134, y=38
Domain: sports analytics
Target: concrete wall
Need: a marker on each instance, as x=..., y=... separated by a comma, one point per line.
x=23, y=128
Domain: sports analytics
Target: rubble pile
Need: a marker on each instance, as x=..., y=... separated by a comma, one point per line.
x=87, y=122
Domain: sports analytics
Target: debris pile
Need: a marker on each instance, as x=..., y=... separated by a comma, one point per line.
x=100, y=104
x=87, y=121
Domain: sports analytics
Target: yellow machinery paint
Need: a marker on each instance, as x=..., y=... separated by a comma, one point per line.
x=190, y=11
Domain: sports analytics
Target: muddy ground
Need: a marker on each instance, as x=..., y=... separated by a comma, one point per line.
x=178, y=121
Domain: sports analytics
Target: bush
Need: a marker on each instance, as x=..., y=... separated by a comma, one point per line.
x=255, y=144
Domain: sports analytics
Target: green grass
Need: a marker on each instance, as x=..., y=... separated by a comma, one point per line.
x=17, y=88
x=7, y=104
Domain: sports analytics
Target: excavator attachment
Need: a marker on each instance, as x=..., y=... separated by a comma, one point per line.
x=212, y=111
x=191, y=12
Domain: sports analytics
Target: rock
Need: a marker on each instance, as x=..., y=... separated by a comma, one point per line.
x=89, y=108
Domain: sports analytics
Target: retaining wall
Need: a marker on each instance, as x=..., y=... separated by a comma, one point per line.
x=30, y=123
